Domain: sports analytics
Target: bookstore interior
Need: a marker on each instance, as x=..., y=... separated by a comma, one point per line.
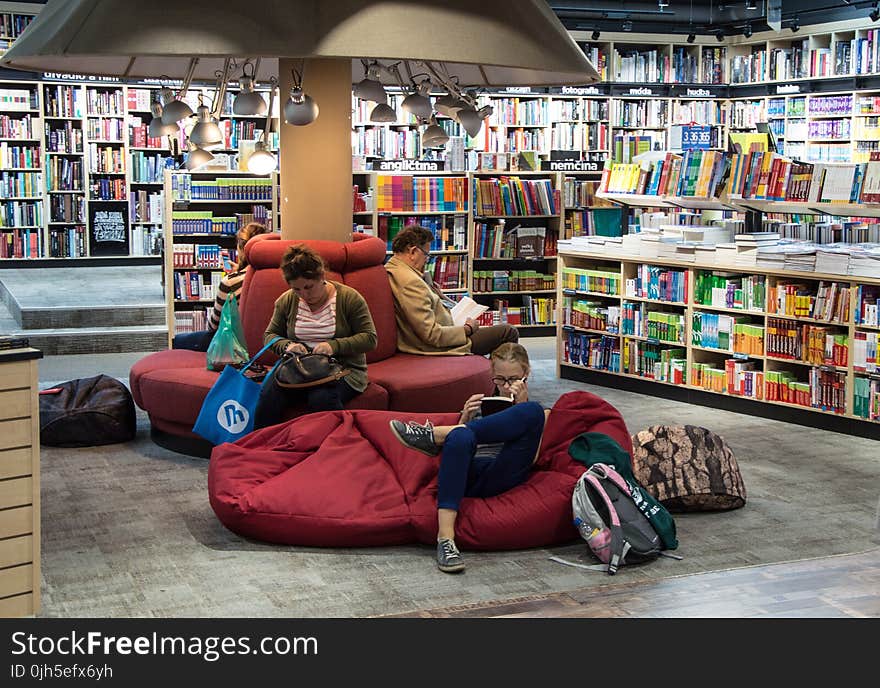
x=703, y=216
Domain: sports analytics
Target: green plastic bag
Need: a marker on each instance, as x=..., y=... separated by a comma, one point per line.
x=228, y=347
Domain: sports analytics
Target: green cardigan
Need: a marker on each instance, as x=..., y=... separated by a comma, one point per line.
x=355, y=331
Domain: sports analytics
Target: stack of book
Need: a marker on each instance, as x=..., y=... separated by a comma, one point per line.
x=748, y=243
x=12, y=341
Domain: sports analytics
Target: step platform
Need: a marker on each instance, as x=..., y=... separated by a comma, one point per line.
x=111, y=309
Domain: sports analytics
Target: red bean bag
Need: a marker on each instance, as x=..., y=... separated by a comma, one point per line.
x=340, y=479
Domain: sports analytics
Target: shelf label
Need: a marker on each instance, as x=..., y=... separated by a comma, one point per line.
x=517, y=89
x=653, y=340
x=740, y=357
x=571, y=166
x=788, y=88
x=697, y=137
x=409, y=165
x=698, y=93
x=644, y=91
x=581, y=91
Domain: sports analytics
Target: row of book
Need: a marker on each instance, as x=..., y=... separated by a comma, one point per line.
x=195, y=320
x=407, y=194
x=829, y=301
x=449, y=230
x=202, y=222
x=533, y=310
x=591, y=315
x=20, y=243
x=600, y=352
x=67, y=242
x=731, y=333
x=729, y=290
x=814, y=344
x=139, y=135
x=64, y=138
x=494, y=240
x=107, y=189
x=736, y=378
x=513, y=196
x=19, y=184
x=648, y=360
x=106, y=129
x=146, y=240
x=657, y=283
x=866, y=398
x=21, y=214
x=593, y=222
x=62, y=101
x=145, y=206
x=17, y=127
x=64, y=174
x=149, y=167
x=449, y=271
x=186, y=188
x=512, y=280
x=104, y=159
x=187, y=256
x=12, y=155
x=865, y=352
x=867, y=299
x=67, y=208
x=596, y=281
x=193, y=285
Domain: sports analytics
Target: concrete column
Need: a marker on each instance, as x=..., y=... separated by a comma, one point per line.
x=315, y=160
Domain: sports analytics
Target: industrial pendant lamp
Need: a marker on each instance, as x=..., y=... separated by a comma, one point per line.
x=300, y=109
x=262, y=161
x=195, y=156
x=434, y=135
x=370, y=88
x=472, y=120
x=417, y=103
x=206, y=132
x=174, y=108
x=157, y=128
x=383, y=113
x=248, y=101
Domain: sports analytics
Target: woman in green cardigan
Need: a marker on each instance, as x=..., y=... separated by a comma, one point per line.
x=324, y=317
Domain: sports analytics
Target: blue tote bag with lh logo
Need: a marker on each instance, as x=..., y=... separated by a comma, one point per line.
x=227, y=413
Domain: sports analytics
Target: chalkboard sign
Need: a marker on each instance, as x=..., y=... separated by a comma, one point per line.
x=108, y=228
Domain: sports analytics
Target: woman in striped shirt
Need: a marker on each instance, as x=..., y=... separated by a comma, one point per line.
x=324, y=317
x=229, y=285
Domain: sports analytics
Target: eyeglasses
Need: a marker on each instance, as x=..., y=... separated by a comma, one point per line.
x=502, y=381
x=427, y=253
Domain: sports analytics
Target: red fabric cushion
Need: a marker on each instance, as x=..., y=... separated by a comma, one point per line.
x=422, y=384
x=341, y=479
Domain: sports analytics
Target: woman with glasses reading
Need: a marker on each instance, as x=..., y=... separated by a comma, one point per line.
x=424, y=323
x=483, y=455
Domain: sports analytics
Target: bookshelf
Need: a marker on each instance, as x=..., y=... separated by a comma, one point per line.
x=769, y=337
x=21, y=160
x=14, y=19
x=514, y=227
x=202, y=212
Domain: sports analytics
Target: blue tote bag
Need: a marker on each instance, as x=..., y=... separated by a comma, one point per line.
x=227, y=413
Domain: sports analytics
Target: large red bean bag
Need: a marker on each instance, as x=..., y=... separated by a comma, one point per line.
x=341, y=479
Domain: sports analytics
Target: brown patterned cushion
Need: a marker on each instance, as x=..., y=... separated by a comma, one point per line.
x=688, y=468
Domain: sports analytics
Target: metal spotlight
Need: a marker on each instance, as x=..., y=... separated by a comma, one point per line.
x=434, y=135
x=300, y=109
x=383, y=113
x=261, y=161
x=206, y=133
x=875, y=13
x=662, y=3
x=747, y=31
x=418, y=103
x=195, y=156
x=248, y=101
x=795, y=25
x=751, y=5
x=595, y=35
x=719, y=36
x=627, y=25
x=692, y=37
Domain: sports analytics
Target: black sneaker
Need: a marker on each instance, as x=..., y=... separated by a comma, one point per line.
x=415, y=436
x=448, y=557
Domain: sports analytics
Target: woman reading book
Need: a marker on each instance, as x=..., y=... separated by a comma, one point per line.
x=483, y=455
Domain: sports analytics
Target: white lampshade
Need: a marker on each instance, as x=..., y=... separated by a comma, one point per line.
x=157, y=127
x=471, y=120
x=261, y=160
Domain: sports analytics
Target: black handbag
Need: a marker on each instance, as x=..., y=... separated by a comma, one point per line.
x=299, y=371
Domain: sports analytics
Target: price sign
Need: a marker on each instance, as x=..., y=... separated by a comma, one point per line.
x=696, y=137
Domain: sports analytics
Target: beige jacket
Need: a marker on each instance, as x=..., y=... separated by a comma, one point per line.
x=424, y=325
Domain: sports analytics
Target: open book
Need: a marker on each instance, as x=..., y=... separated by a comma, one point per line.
x=490, y=405
x=467, y=308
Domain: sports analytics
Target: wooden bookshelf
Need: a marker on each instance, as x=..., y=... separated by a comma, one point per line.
x=765, y=361
x=191, y=284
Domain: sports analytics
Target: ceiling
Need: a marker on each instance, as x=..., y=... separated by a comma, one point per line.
x=702, y=17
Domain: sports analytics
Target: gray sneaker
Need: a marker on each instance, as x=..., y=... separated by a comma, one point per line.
x=449, y=559
x=415, y=436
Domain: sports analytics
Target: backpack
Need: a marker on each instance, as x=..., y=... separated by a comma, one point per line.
x=609, y=519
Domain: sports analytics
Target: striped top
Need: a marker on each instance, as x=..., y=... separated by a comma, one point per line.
x=313, y=328
x=231, y=284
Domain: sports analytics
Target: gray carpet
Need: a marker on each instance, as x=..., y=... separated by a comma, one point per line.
x=128, y=531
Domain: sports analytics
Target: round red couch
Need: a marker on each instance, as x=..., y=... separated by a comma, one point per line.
x=341, y=479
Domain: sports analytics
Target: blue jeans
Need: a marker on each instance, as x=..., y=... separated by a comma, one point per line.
x=464, y=475
x=274, y=399
x=194, y=341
